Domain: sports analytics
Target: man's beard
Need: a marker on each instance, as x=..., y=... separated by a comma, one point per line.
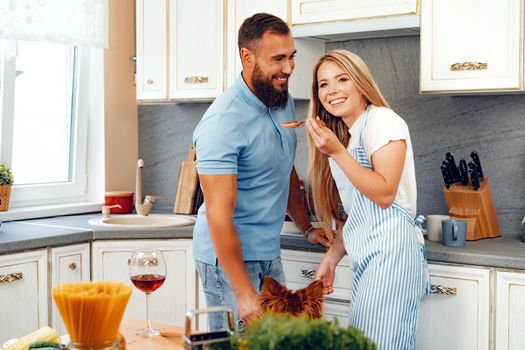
x=265, y=91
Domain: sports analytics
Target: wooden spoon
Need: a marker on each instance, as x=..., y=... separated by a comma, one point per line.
x=296, y=123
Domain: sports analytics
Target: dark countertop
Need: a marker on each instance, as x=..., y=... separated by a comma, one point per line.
x=16, y=236
x=501, y=252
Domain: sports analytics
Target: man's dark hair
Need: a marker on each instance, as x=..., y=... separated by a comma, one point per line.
x=253, y=28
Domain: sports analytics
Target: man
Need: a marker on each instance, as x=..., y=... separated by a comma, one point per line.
x=245, y=165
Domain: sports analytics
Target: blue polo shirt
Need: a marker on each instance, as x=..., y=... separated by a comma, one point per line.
x=239, y=135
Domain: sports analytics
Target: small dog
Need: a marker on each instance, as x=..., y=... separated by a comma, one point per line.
x=276, y=298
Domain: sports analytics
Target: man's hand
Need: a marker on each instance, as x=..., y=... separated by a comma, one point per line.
x=317, y=235
x=248, y=305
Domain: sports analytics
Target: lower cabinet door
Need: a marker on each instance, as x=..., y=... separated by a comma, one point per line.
x=23, y=294
x=457, y=317
x=337, y=309
x=68, y=264
x=510, y=310
x=173, y=299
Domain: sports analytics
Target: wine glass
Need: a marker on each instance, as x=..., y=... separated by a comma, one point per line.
x=147, y=271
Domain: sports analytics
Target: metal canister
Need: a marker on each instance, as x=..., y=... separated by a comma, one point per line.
x=196, y=340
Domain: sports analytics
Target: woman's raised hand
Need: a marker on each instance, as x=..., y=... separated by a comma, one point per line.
x=324, y=139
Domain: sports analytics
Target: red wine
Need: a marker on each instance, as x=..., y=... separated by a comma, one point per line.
x=148, y=283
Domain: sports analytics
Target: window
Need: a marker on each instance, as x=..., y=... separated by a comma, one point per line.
x=44, y=100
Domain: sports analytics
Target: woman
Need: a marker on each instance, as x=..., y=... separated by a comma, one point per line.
x=364, y=158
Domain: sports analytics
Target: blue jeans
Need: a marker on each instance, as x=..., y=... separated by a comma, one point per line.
x=219, y=291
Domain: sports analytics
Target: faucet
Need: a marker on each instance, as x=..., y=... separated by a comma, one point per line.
x=142, y=208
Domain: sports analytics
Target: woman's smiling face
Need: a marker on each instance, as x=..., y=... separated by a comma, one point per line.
x=338, y=93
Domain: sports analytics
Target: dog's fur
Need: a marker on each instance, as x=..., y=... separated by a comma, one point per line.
x=276, y=298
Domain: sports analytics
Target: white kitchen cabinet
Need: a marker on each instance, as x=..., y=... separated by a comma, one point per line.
x=510, y=310
x=173, y=299
x=196, y=54
x=238, y=11
x=337, y=20
x=151, y=49
x=457, y=321
x=23, y=292
x=68, y=264
x=299, y=269
x=312, y=11
x=337, y=309
x=471, y=45
x=308, y=50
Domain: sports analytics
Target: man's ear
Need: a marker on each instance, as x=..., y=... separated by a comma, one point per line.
x=247, y=56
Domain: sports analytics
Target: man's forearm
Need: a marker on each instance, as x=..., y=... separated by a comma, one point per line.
x=229, y=252
x=296, y=210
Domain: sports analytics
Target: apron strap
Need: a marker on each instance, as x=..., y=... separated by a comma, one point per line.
x=418, y=221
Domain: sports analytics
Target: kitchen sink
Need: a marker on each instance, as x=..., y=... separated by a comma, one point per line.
x=150, y=221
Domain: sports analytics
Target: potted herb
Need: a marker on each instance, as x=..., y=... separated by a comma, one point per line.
x=286, y=332
x=6, y=180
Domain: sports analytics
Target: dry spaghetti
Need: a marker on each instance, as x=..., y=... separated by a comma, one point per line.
x=92, y=311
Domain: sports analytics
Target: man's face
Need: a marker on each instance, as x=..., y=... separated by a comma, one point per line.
x=274, y=63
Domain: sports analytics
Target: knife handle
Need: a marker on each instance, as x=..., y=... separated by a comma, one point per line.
x=444, y=172
x=474, y=178
x=463, y=171
x=456, y=175
x=475, y=158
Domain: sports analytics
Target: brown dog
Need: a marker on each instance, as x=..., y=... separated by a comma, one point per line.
x=278, y=299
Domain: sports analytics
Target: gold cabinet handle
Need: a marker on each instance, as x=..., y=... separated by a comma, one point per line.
x=195, y=79
x=469, y=66
x=72, y=266
x=307, y=273
x=11, y=277
x=149, y=81
x=439, y=289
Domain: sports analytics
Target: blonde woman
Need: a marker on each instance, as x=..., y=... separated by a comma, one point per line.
x=363, y=160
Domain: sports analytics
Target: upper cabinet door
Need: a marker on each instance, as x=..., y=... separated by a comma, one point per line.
x=151, y=42
x=238, y=11
x=312, y=11
x=470, y=45
x=196, y=39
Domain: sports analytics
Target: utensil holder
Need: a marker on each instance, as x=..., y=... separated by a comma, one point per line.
x=476, y=207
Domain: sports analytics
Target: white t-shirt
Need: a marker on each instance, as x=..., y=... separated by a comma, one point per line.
x=384, y=125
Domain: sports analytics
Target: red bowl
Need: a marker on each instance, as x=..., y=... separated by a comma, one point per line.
x=124, y=199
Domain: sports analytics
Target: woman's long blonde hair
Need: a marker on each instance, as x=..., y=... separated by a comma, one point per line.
x=325, y=195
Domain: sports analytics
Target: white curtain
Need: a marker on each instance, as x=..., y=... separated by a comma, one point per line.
x=75, y=22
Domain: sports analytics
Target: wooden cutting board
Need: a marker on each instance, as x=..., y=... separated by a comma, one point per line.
x=187, y=185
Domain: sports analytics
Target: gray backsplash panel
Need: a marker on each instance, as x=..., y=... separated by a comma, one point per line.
x=493, y=125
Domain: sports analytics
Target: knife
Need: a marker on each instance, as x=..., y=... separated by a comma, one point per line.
x=475, y=158
x=446, y=179
x=453, y=168
x=447, y=165
x=473, y=176
x=463, y=172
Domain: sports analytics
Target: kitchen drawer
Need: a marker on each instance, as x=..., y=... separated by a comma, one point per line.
x=295, y=262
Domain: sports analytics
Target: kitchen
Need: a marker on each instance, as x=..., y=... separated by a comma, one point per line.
x=488, y=123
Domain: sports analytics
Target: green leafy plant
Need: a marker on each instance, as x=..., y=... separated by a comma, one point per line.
x=286, y=332
x=6, y=177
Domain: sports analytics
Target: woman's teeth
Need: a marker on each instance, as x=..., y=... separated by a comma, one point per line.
x=337, y=101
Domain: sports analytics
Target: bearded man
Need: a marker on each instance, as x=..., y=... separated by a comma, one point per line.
x=245, y=165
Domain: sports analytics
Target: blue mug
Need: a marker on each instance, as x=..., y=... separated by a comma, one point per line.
x=454, y=232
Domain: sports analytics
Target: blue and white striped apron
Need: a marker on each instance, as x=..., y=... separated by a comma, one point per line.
x=388, y=258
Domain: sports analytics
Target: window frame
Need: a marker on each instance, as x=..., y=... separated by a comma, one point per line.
x=86, y=95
